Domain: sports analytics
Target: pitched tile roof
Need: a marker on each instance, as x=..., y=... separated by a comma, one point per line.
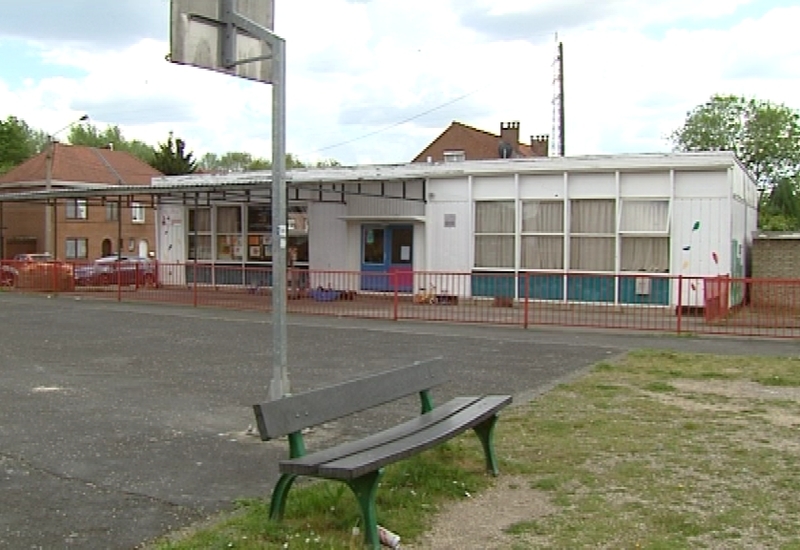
x=477, y=144
x=80, y=164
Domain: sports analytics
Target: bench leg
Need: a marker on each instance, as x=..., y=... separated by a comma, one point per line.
x=279, y=494
x=485, y=433
x=365, y=488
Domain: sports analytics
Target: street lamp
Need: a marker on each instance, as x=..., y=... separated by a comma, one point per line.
x=48, y=211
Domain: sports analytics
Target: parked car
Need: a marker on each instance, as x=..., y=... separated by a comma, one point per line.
x=28, y=265
x=113, y=270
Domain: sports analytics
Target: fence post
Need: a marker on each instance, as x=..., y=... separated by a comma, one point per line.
x=396, y=295
x=119, y=280
x=194, y=283
x=680, y=301
x=527, y=283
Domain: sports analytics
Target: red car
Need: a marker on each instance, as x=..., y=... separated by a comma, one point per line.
x=36, y=271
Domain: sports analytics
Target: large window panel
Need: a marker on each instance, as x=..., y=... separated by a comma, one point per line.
x=593, y=241
x=644, y=216
x=494, y=234
x=650, y=254
x=542, y=252
x=494, y=251
x=592, y=253
x=229, y=219
x=543, y=217
x=199, y=247
x=494, y=217
x=592, y=217
x=200, y=220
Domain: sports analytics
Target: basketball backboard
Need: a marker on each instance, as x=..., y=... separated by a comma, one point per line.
x=198, y=36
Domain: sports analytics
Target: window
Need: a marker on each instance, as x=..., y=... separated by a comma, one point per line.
x=297, y=229
x=454, y=156
x=592, y=234
x=229, y=233
x=137, y=213
x=542, y=235
x=644, y=229
x=259, y=232
x=494, y=234
x=77, y=248
x=77, y=209
x=112, y=211
x=200, y=234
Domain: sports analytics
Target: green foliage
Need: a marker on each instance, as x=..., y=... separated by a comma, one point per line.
x=171, y=159
x=765, y=136
x=17, y=143
x=241, y=162
x=90, y=136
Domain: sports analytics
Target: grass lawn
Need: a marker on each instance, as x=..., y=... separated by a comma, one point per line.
x=658, y=450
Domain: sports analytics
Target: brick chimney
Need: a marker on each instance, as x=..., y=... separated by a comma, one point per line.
x=540, y=146
x=509, y=133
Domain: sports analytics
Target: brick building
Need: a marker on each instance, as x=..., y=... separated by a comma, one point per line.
x=776, y=255
x=460, y=142
x=81, y=229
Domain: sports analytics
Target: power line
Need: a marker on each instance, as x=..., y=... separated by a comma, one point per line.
x=396, y=124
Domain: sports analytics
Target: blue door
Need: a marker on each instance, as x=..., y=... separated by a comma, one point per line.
x=386, y=257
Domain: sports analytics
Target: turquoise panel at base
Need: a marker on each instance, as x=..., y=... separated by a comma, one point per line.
x=542, y=286
x=590, y=288
x=203, y=274
x=491, y=285
x=658, y=296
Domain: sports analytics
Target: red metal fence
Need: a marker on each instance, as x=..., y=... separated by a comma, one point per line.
x=646, y=302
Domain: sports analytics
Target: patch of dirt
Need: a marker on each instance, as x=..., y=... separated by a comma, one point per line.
x=479, y=522
x=736, y=389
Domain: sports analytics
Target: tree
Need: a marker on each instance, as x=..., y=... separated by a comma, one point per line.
x=90, y=136
x=18, y=142
x=765, y=136
x=171, y=158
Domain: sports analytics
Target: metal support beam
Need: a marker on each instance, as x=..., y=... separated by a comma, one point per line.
x=279, y=386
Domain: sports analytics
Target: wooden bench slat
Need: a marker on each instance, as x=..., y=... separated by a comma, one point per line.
x=296, y=412
x=309, y=464
x=356, y=465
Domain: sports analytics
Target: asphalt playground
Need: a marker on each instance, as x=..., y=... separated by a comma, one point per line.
x=122, y=422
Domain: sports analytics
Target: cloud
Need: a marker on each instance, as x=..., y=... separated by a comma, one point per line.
x=106, y=24
x=375, y=78
x=533, y=23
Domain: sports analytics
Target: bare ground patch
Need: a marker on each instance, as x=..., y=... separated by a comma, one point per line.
x=480, y=521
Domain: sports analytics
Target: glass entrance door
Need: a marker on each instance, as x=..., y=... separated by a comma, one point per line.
x=387, y=257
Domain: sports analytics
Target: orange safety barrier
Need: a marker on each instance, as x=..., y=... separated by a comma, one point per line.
x=643, y=302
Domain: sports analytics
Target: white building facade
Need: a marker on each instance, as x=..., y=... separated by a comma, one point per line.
x=600, y=229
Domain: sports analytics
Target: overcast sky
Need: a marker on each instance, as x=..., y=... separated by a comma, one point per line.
x=374, y=81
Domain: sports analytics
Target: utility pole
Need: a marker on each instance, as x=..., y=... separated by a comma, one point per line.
x=558, y=139
x=562, y=144
x=49, y=245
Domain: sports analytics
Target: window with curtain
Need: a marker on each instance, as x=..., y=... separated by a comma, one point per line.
x=77, y=209
x=542, y=235
x=77, y=248
x=199, y=234
x=137, y=213
x=644, y=229
x=229, y=233
x=112, y=211
x=494, y=234
x=592, y=234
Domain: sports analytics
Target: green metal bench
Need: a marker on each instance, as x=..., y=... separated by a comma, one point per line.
x=360, y=463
